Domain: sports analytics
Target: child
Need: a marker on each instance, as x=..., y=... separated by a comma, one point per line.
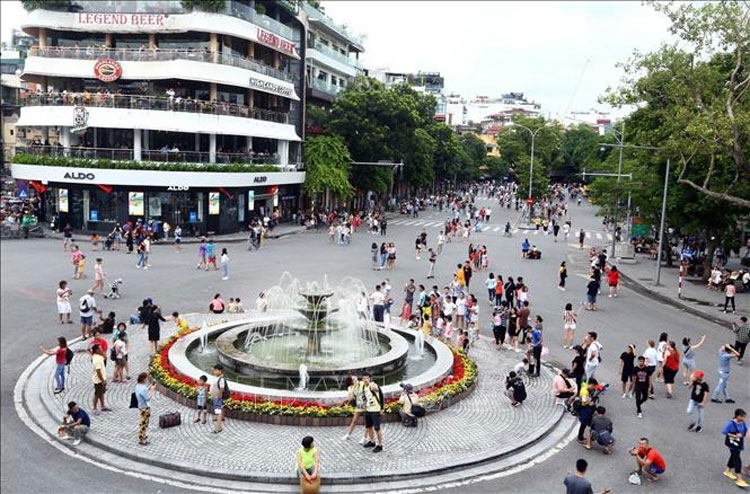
x=437, y=330
x=99, y=276
x=232, y=306
x=202, y=255
x=426, y=325
x=80, y=275
x=182, y=324
x=520, y=367
x=238, y=307
x=473, y=334
x=462, y=342
x=211, y=254
x=95, y=241
x=448, y=332
x=201, y=390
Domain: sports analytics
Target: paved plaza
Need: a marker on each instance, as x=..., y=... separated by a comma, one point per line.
x=482, y=438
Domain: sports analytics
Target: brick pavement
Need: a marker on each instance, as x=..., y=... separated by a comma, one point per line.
x=480, y=427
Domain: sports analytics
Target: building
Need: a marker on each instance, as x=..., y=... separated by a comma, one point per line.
x=332, y=60
x=138, y=100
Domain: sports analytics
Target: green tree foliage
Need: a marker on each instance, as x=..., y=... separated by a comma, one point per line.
x=327, y=163
x=495, y=167
x=377, y=124
x=696, y=90
x=30, y=5
x=204, y=5
x=449, y=151
x=580, y=148
x=475, y=151
x=515, y=152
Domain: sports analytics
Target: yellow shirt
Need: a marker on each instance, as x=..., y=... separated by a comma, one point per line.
x=460, y=278
x=97, y=362
x=182, y=324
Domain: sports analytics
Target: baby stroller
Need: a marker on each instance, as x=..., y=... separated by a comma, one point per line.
x=114, y=289
x=109, y=242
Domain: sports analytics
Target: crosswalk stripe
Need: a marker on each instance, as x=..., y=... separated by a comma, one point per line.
x=598, y=236
x=497, y=229
x=515, y=231
x=536, y=232
x=588, y=234
x=609, y=237
x=409, y=223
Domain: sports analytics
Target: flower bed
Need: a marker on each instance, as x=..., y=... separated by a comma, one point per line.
x=251, y=407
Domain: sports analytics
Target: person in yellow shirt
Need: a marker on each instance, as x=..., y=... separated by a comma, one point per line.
x=182, y=324
x=460, y=276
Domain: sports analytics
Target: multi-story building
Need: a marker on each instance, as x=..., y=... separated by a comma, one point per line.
x=332, y=60
x=139, y=99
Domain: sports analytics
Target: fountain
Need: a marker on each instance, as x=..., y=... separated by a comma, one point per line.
x=308, y=338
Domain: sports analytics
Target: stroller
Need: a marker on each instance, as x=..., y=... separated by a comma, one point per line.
x=114, y=289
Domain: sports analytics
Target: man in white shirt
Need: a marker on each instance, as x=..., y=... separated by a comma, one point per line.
x=86, y=309
x=593, y=357
x=448, y=308
x=377, y=298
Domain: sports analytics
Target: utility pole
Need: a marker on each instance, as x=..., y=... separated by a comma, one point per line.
x=661, y=227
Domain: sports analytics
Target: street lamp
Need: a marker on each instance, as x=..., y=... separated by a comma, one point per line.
x=531, y=168
x=620, y=137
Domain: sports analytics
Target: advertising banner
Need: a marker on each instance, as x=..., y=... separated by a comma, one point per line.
x=135, y=203
x=251, y=200
x=62, y=200
x=213, y=203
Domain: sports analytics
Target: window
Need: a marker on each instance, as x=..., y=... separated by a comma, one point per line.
x=322, y=76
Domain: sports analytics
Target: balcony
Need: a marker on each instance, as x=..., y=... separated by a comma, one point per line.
x=148, y=55
x=335, y=54
x=162, y=103
x=316, y=15
x=326, y=87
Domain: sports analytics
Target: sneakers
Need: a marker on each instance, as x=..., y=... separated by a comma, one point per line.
x=640, y=415
x=624, y=395
x=699, y=429
x=362, y=441
x=741, y=483
x=691, y=427
x=377, y=449
x=369, y=444
x=729, y=400
x=730, y=474
x=224, y=278
x=714, y=400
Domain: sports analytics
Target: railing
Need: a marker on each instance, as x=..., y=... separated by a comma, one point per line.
x=163, y=103
x=326, y=87
x=244, y=12
x=327, y=50
x=158, y=156
x=317, y=15
x=149, y=55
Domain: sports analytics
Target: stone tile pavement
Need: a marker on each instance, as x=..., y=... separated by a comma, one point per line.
x=481, y=427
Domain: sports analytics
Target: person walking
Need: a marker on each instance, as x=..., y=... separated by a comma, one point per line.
x=626, y=366
x=734, y=439
x=726, y=354
x=224, y=262
x=143, y=394
x=563, y=274
x=729, y=291
x=697, y=402
x=641, y=383
x=593, y=354
x=87, y=309
x=577, y=483
x=202, y=259
x=63, y=302
x=592, y=290
x=61, y=359
x=742, y=338
x=569, y=325
x=432, y=260
x=99, y=276
x=581, y=238
x=613, y=280
x=178, y=238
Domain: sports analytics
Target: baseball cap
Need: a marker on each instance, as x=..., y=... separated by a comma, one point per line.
x=698, y=374
x=407, y=387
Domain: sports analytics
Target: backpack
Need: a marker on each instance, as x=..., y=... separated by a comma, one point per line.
x=84, y=305
x=225, y=393
x=68, y=356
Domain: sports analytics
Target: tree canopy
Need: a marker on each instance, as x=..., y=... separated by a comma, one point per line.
x=696, y=90
x=327, y=163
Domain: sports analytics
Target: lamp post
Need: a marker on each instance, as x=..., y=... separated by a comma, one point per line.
x=531, y=168
x=620, y=137
x=661, y=226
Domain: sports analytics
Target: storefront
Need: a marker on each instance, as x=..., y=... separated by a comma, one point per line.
x=96, y=200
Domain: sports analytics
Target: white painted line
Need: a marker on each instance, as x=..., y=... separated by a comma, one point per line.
x=409, y=223
x=588, y=234
x=496, y=229
x=609, y=237
x=515, y=231
x=598, y=236
x=536, y=232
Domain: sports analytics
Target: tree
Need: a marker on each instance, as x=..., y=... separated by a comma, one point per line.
x=204, y=5
x=449, y=152
x=63, y=5
x=515, y=151
x=697, y=88
x=476, y=154
x=327, y=163
x=495, y=167
x=580, y=148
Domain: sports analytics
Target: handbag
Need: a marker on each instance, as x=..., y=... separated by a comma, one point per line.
x=133, y=400
x=733, y=442
x=170, y=419
x=416, y=410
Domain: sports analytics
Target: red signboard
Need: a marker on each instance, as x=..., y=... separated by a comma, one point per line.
x=270, y=39
x=107, y=70
x=529, y=201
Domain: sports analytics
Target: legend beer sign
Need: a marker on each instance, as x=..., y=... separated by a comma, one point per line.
x=101, y=19
x=270, y=39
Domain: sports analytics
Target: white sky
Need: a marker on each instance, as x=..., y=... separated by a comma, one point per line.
x=493, y=47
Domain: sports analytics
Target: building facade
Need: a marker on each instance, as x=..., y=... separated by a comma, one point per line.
x=332, y=60
x=138, y=100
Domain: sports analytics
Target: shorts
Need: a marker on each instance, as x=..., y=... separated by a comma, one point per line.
x=655, y=470
x=689, y=364
x=650, y=369
x=218, y=405
x=87, y=320
x=99, y=389
x=571, y=326
x=121, y=362
x=212, y=259
x=669, y=376
x=565, y=394
x=627, y=376
x=177, y=240
x=591, y=298
x=202, y=408
x=372, y=420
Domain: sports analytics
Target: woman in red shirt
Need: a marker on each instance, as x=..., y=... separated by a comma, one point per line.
x=613, y=278
x=61, y=359
x=671, y=366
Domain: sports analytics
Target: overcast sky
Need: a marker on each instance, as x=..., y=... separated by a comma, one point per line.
x=493, y=47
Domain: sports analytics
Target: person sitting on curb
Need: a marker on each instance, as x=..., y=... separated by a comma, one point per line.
x=76, y=424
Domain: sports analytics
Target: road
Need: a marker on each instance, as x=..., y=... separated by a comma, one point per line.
x=32, y=268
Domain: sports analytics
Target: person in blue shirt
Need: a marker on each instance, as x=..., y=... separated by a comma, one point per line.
x=144, y=393
x=211, y=254
x=726, y=354
x=734, y=433
x=536, y=347
x=525, y=246
x=76, y=423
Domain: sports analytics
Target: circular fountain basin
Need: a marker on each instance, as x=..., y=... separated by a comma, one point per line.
x=251, y=365
x=441, y=368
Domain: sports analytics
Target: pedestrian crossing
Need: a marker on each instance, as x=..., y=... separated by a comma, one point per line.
x=497, y=229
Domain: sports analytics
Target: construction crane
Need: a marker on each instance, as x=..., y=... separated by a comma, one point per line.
x=575, y=89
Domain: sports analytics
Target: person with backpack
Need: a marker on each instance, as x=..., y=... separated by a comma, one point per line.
x=86, y=309
x=515, y=389
x=219, y=392
x=61, y=360
x=411, y=410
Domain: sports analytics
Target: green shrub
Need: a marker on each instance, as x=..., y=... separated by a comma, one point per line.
x=69, y=162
